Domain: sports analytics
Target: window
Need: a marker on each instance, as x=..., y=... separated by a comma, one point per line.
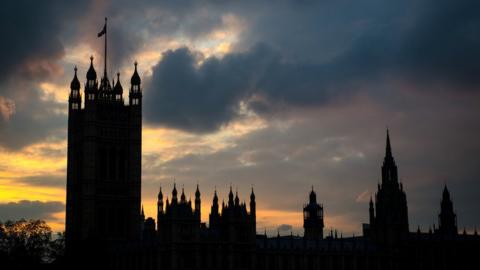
x=119, y=96
x=135, y=101
x=74, y=106
x=91, y=96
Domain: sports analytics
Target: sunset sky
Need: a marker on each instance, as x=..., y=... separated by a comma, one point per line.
x=278, y=95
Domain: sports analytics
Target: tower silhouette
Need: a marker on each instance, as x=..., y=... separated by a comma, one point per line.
x=447, y=219
x=389, y=224
x=104, y=161
x=313, y=218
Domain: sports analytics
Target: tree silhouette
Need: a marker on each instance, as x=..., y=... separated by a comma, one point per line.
x=27, y=243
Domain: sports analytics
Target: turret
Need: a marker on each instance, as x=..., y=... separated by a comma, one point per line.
x=182, y=197
x=253, y=212
x=118, y=90
x=74, y=99
x=135, y=95
x=91, y=87
x=237, y=200
x=230, y=197
x=160, y=201
x=197, y=203
x=447, y=218
x=174, y=194
x=253, y=208
x=313, y=218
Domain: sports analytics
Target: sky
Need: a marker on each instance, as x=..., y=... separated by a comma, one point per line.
x=275, y=95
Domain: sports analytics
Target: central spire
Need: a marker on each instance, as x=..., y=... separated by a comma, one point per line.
x=388, y=149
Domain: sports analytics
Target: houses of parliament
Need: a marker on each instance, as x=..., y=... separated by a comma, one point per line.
x=106, y=226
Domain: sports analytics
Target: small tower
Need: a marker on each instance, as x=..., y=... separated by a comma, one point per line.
x=253, y=212
x=214, y=214
x=253, y=206
x=313, y=218
x=91, y=86
x=174, y=194
x=230, y=197
x=118, y=90
x=197, y=203
x=159, y=207
x=74, y=99
x=135, y=95
x=183, y=199
x=447, y=218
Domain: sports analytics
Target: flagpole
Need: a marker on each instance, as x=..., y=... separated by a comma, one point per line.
x=105, y=67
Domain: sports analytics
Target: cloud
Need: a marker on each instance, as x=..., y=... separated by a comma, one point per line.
x=44, y=180
x=34, y=35
x=204, y=98
x=284, y=228
x=288, y=62
x=30, y=210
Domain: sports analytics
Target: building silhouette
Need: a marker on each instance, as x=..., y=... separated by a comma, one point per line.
x=313, y=218
x=106, y=226
x=104, y=160
x=389, y=223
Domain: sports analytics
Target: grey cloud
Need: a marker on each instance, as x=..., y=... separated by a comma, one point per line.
x=29, y=210
x=32, y=46
x=205, y=98
x=306, y=59
x=43, y=181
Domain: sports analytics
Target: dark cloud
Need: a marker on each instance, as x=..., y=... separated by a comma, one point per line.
x=201, y=99
x=29, y=210
x=33, y=36
x=43, y=181
x=31, y=32
x=424, y=43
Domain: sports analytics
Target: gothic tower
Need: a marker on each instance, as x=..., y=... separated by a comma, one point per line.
x=103, y=161
x=390, y=224
x=313, y=218
x=447, y=218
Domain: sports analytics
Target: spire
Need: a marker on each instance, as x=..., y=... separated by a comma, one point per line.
x=388, y=148
x=237, y=200
x=215, y=197
x=143, y=213
x=118, y=86
x=91, y=73
x=252, y=195
x=446, y=193
x=174, y=192
x=313, y=196
x=197, y=192
x=160, y=194
x=135, y=80
x=75, y=84
x=182, y=197
x=230, y=196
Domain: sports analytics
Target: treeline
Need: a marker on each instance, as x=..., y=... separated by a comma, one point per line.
x=30, y=244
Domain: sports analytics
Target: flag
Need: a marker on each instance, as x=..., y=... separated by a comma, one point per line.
x=104, y=31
